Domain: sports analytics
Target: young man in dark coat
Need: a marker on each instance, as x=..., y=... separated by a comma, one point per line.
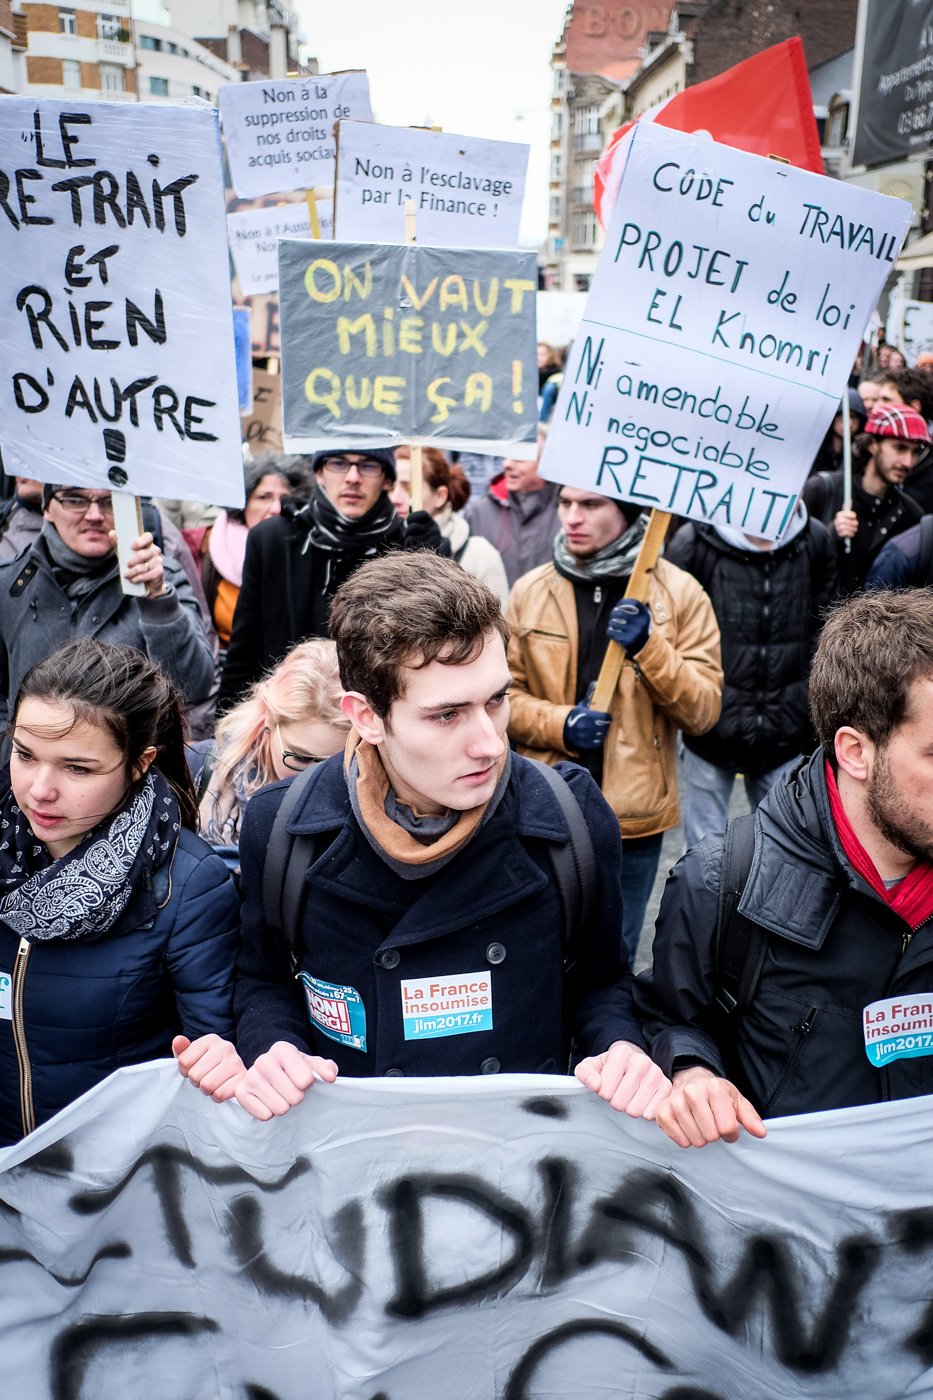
x=432, y=940
x=769, y=600
x=296, y=561
x=841, y=882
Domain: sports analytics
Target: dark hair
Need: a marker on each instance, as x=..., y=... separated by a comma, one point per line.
x=871, y=650
x=440, y=471
x=911, y=384
x=408, y=610
x=293, y=470
x=118, y=689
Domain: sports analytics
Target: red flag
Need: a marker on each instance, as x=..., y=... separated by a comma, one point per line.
x=763, y=105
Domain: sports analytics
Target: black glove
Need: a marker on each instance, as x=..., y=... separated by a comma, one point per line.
x=423, y=532
x=585, y=728
x=630, y=625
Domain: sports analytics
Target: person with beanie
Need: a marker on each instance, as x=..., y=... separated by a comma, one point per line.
x=296, y=560
x=562, y=615
x=895, y=438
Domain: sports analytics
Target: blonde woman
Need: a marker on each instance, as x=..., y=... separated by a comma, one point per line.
x=289, y=720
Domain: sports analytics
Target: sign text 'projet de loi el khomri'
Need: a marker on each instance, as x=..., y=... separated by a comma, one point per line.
x=726, y=310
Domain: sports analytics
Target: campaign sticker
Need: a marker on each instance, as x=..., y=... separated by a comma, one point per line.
x=337, y=1011
x=898, y=1028
x=6, y=997
x=434, y=1006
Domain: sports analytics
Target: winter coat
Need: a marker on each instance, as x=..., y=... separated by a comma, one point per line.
x=900, y=564
x=880, y=519
x=36, y=616
x=91, y=1006
x=473, y=552
x=19, y=528
x=833, y=947
x=674, y=683
x=493, y=909
x=769, y=606
x=522, y=527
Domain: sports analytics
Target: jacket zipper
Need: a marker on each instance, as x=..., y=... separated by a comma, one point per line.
x=26, y=1107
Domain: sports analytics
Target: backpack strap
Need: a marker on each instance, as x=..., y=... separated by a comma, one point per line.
x=924, y=574
x=283, y=877
x=740, y=944
x=573, y=864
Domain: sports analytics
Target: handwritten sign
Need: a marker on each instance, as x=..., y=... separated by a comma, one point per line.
x=724, y=316
x=117, y=363
x=254, y=240
x=515, y=1235
x=262, y=425
x=384, y=344
x=467, y=192
x=280, y=133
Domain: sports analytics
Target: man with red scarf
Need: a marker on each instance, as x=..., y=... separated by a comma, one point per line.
x=841, y=882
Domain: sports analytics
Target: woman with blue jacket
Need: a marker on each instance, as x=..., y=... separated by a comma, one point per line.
x=118, y=926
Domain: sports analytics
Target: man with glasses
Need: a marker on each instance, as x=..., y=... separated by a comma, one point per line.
x=68, y=585
x=296, y=561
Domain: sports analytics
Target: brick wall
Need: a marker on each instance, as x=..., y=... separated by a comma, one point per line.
x=90, y=76
x=42, y=18
x=43, y=70
x=730, y=30
x=87, y=24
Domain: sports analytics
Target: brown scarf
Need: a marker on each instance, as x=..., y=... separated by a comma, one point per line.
x=372, y=786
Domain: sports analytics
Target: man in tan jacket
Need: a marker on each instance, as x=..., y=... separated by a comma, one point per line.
x=562, y=615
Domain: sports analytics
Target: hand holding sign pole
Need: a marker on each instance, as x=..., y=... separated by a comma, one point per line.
x=637, y=589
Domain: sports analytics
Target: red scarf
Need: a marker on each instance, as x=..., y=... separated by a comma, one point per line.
x=912, y=897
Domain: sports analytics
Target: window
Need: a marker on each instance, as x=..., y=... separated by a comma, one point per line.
x=554, y=217
x=110, y=27
x=586, y=121
x=147, y=41
x=111, y=78
x=584, y=229
x=67, y=22
x=199, y=92
x=581, y=282
x=71, y=74
x=158, y=87
x=557, y=167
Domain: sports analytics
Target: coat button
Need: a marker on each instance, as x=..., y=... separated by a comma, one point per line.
x=495, y=953
x=394, y=1074
x=490, y=1066
x=390, y=958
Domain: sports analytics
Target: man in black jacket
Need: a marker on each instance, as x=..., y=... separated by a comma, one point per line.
x=296, y=561
x=895, y=438
x=841, y=882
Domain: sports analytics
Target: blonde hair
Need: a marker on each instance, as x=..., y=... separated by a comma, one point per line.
x=305, y=685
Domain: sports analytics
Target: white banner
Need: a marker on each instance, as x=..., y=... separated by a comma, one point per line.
x=466, y=192
x=280, y=132
x=254, y=240
x=460, y=1239
x=117, y=363
x=724, y=316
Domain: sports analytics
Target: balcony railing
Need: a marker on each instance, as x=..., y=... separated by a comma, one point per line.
x=116, y=51
x=587, y=141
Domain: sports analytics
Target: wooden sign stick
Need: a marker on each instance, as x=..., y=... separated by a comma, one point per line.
x=416, y=487
x=637, y=589
x=128, y=523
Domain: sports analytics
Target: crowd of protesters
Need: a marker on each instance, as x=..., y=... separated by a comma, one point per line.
x=330, y=794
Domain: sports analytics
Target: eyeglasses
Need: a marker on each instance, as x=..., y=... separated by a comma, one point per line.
x=77, y=504
x=296, y=762
x=340, y=466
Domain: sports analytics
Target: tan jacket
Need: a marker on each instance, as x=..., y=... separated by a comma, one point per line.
x=676, y=684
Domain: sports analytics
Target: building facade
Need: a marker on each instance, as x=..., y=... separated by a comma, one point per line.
x=81, y=50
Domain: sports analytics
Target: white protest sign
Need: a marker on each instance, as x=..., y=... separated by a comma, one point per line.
x=910, y=325
x=467, y=192
x=724, y=316
x=254, y=240
x=117, y=364
x=497, y=1238
x=280, y=132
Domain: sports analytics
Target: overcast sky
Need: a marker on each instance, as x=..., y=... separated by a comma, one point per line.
x=474, y=67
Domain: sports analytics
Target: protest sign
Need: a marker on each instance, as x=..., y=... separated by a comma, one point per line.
x=280, y=132
x=117, y=363
x=254, y=240
x=724, y=316
x=467, y=192
x=384, y=344
x=460, y=1238
x=244, y=363
x=262, y=425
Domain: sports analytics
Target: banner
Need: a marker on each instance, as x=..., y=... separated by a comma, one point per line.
x=254, y=240
x=895, y=93
x=117, y=363
x=384, y=344
x=726, y=310
x=280, y=132
x=763, y=105
x=466, y=192
x=464, y=1239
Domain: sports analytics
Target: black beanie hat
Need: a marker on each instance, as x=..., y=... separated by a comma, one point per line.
x=385, y=455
